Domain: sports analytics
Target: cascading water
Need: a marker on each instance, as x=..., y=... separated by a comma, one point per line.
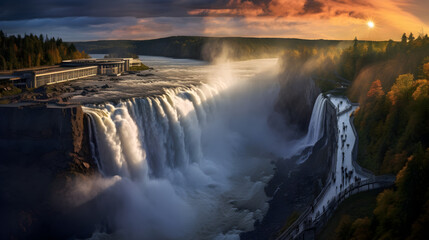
x=316, y=126
x=192, y=163
x=315, y=130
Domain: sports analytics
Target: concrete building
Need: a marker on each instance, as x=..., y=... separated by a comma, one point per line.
x=106, y=66
x=34, y=78
x=70, y=70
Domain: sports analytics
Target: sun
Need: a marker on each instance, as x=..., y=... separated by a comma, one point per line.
x=370, y=24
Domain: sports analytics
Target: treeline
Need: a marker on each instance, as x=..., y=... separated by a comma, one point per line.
x=204, y=48
x=32, y=51
x=393, y=127
x=364, y=62
x=362, y=54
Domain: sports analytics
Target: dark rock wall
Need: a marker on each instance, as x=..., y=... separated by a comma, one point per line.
x=40, y=150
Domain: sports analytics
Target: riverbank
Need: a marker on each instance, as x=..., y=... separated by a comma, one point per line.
x=95, y=89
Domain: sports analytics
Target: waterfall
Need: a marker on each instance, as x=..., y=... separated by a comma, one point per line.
x=317, y=122
x=142, y=137
x=194, y=160
x=315, y=130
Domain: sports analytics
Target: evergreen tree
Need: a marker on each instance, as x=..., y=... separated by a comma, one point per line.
x=32, y=51
x=404, y=39
x=411, y=38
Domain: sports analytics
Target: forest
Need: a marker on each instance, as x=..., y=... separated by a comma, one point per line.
x=393, y=128
x=390, y=80
x=32, y=51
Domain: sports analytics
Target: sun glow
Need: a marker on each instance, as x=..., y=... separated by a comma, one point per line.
x=370, y=24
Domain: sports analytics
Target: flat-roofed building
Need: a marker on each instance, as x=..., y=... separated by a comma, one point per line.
x=106, y=66
x=38, y=77
x=9, y=79
x=71, y=70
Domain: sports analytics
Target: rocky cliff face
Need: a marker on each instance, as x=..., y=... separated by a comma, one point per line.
x=41, y=149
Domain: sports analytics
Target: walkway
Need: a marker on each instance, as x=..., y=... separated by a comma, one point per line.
x=346, y=176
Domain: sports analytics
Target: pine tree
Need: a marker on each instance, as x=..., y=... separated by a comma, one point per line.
x=404, y=39
x=411, y=38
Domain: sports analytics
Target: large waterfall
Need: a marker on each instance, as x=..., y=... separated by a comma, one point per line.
x=191, y=163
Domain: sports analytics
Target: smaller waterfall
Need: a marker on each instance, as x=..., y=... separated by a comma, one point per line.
x=315, y=131
x=317, y=123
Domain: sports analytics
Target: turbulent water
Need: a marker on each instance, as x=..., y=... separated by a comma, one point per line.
x=192, y=162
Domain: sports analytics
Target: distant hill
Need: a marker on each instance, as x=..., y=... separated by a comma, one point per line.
x=205, y=48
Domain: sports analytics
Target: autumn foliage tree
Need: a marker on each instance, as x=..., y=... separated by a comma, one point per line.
x=393, y=133
x=376, y=89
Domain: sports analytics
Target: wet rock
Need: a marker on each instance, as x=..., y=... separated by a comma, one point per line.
x=105, y=86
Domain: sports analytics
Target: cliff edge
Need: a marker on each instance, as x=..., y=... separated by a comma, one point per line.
x=41, y=148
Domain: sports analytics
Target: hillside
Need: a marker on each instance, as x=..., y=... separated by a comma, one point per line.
x=205, y=48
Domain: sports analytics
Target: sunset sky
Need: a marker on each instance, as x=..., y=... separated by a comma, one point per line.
x=76, y=20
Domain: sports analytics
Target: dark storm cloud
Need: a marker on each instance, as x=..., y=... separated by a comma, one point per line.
x=29, y=9
x=69, y=28
x=312, y=6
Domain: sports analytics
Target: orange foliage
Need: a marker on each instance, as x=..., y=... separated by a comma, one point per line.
x=422, y=90
x=376, y=90
x=426, y=69
x=394, y=163
x=361, y=227
x=401, y=174
x=402, y=84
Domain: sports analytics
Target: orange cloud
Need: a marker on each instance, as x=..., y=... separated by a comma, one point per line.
x=342, y=19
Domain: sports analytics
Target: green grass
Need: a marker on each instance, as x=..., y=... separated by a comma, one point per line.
x=357, y=206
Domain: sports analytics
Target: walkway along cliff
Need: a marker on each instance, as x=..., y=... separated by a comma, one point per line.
x=346, y=177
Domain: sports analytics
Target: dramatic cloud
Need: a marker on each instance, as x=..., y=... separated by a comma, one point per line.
x=133, y=19
x=313, y=6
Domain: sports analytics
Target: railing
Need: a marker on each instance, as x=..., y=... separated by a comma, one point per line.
x=322, y=219
x=369, y=184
